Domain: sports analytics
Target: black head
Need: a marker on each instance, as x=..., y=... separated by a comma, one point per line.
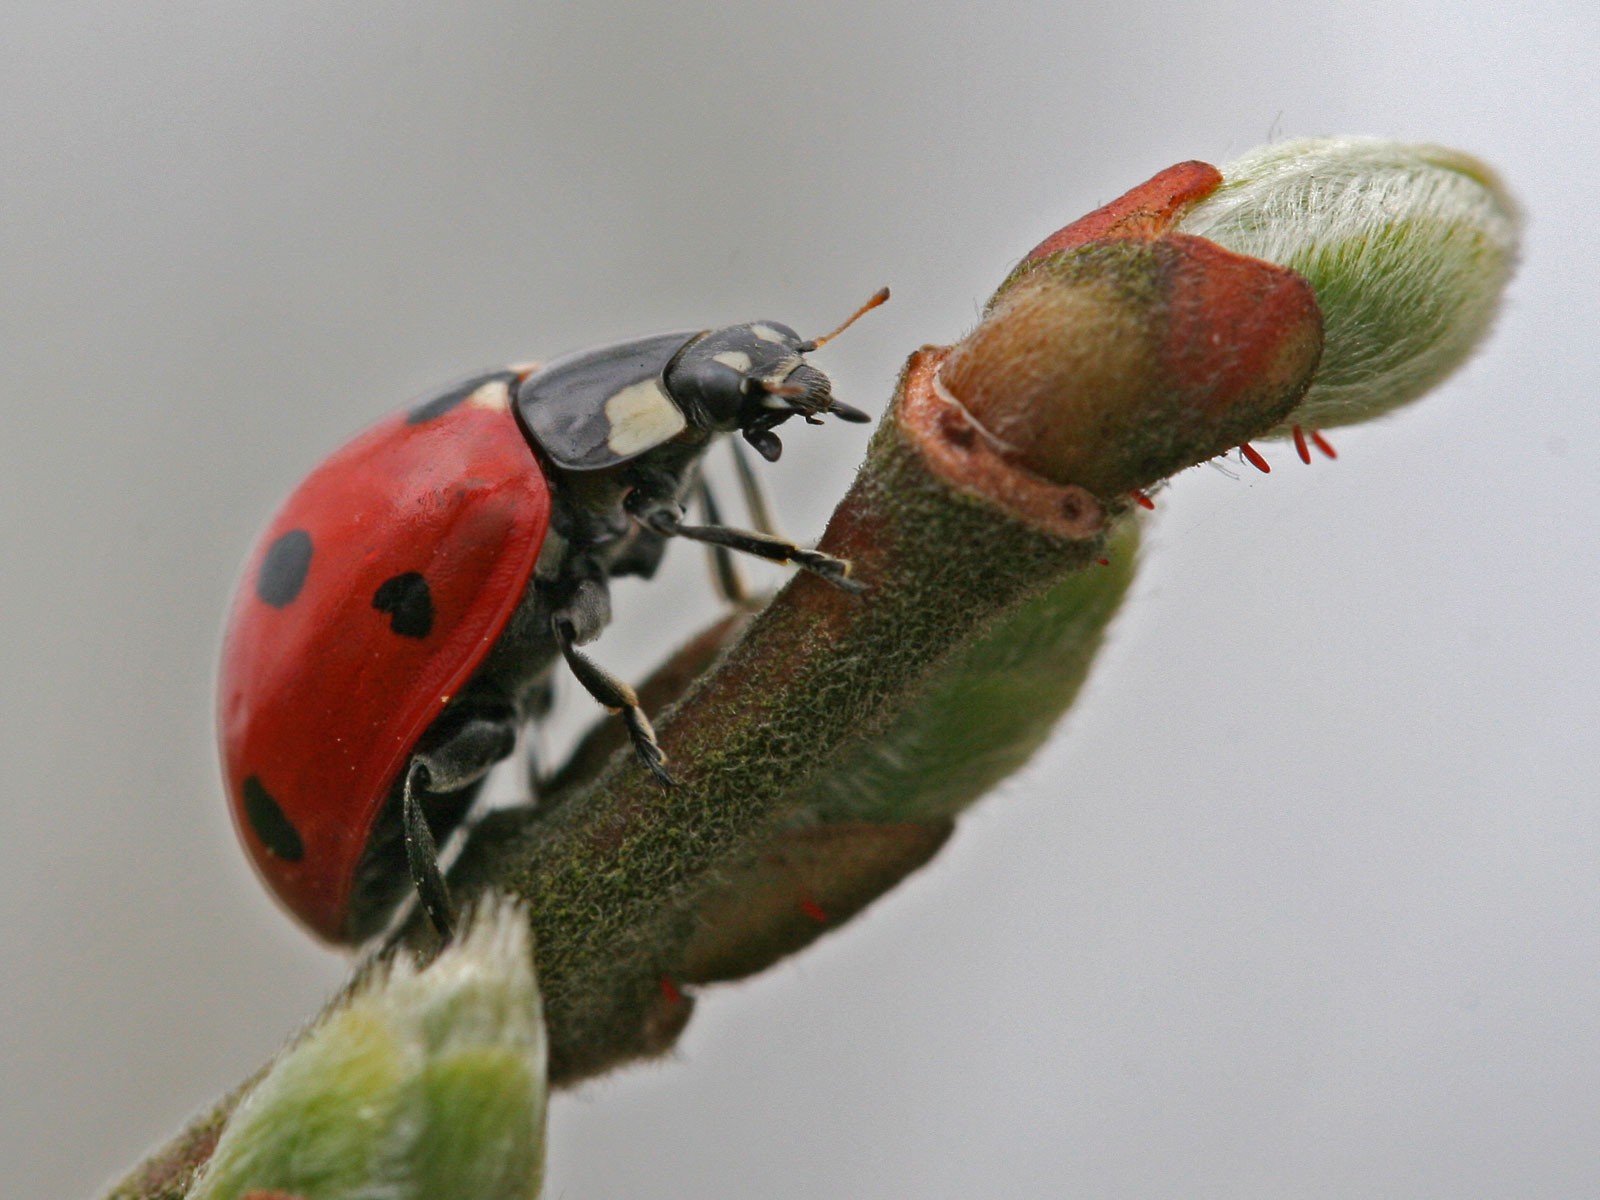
x=750, y=378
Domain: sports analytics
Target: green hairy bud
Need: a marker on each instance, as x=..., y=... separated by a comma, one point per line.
x=1407, y=247
x=425, y=1085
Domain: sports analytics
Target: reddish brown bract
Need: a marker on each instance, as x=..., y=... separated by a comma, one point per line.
x=1119, y=352
x=1146, y=211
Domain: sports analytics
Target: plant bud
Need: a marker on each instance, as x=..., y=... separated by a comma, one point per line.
x=425, y=1084
x=1120, y=352
x=1408, y=248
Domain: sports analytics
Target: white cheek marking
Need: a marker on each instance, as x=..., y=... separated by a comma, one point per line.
x=495, y=396
x=767, y=333
x=640, y=416
x=737, y=359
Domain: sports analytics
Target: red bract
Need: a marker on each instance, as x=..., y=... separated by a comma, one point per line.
x=1119, y=352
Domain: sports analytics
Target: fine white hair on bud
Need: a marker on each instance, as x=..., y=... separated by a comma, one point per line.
x=1407, y=247
x=427, y=1082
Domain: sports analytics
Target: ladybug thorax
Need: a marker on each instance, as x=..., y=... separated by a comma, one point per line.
x=591, y=528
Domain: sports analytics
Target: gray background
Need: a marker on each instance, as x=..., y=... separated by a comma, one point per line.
x=1306, y=899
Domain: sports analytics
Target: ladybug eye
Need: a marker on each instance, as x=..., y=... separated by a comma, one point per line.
x=710, y=387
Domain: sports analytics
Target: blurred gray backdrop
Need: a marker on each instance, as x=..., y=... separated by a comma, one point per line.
x=1305, y=899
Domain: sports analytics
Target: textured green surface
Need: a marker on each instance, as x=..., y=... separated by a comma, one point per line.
x=858, y=830
x=991, y=707
x=317, y=1125
x=424, y=1085
x=490, y=1092
x=613, y=878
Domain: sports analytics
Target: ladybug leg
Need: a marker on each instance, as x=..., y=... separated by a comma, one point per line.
x=755, y=499
x=471, y=745
x=611, y=692
x=422, y=854
x=659, y=518
x=834, y=570
x=539, y=704
x=725, y=575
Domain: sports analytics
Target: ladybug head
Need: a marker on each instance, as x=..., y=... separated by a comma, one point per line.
x=750, y=378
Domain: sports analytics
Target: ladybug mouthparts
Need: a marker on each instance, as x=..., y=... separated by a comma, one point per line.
x=803, y=391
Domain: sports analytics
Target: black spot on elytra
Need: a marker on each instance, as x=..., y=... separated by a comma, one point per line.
x=452, y=396
x=283, y=570
x=274, y=829
x=408, y=602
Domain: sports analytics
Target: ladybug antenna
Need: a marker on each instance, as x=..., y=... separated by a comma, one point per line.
x=848, y=412
x=878, y=297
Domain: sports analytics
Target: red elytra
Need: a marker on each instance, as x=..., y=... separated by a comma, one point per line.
x=336, y=659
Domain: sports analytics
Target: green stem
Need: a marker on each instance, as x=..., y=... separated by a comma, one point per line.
x=950, y=539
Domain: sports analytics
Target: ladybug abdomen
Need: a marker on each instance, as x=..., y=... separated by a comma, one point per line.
x=375, y=593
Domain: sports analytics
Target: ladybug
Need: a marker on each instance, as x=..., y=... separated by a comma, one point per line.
x=400, y=619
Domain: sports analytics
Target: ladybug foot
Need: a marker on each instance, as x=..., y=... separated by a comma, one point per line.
x=645, y=745
x=835, y=570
